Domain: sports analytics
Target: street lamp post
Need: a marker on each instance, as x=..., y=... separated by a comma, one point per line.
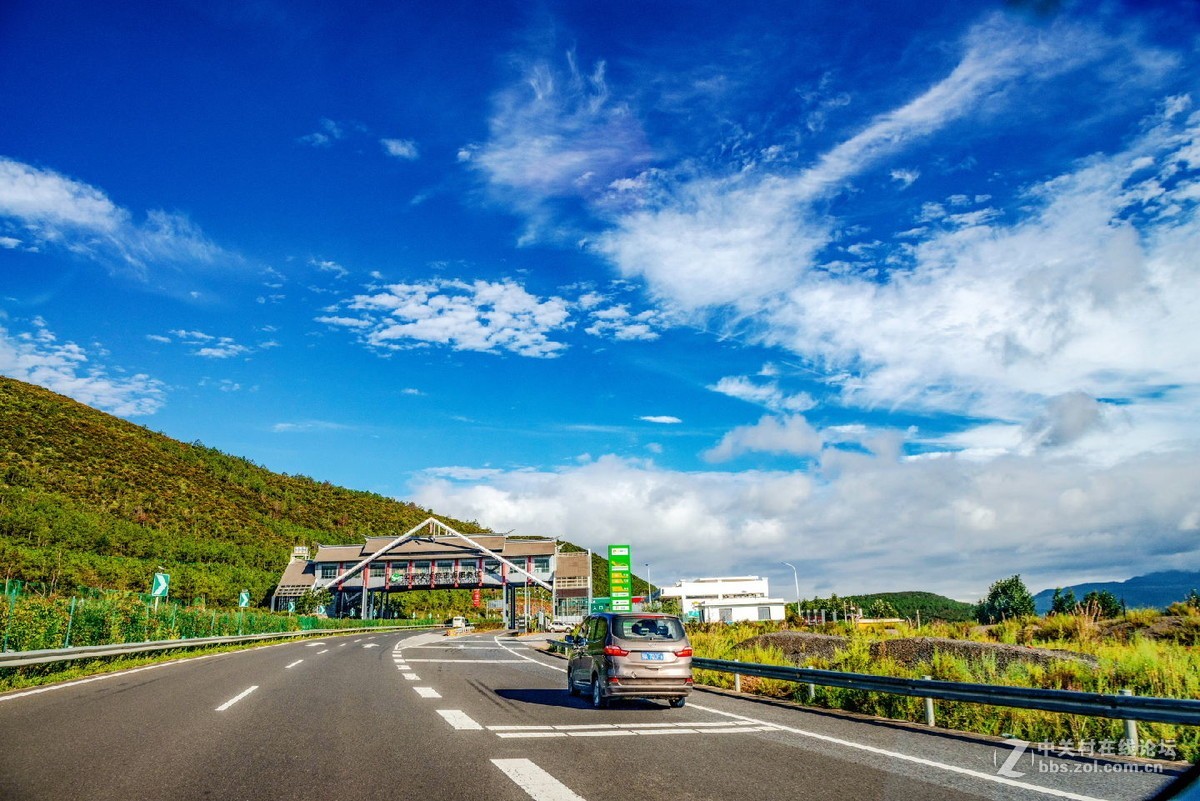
x=796, y=578
x=649, y=587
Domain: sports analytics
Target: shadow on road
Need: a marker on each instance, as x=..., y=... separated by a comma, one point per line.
x=560, y=698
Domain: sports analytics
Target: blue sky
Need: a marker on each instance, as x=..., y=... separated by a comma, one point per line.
x=906, y=297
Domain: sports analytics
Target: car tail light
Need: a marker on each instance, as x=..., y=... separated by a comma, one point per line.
x=615, y=650
x=684, y=652
x=689, y=680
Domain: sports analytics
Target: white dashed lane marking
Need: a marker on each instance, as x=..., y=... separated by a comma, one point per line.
x=237, y=698
x=427, y=692
x=459, y=720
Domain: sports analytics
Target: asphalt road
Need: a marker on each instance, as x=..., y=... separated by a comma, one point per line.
x=422, y=716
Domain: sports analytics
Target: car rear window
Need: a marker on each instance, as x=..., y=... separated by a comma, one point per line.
x=636, y=627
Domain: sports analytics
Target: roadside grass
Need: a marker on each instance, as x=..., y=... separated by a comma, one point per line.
x=1146, y=666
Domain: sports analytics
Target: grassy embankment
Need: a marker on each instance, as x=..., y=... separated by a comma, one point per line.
x=1128, y=658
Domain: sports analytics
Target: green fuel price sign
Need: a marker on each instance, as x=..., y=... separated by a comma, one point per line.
x=620, y=578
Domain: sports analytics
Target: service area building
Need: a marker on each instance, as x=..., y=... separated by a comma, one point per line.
x=725, y=599
x=362, y=577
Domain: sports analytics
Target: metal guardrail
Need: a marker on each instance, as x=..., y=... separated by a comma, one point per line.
x=1128, y=707
x=25, y=658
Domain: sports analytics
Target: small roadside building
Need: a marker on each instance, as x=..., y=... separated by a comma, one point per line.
x=736, y=610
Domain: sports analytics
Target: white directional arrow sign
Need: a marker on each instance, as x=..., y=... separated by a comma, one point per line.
x=159, y=588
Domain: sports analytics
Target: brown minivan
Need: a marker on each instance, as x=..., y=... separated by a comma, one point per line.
x=630, y=655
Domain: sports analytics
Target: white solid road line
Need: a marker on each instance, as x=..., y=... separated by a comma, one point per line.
x=991, y=777
x=64, y=685
x=427, y=692
x=537, y=783
x=289, y=667
x=459, y=720
x=237, y=698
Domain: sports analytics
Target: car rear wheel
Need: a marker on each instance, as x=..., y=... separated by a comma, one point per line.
x=677, y=703
x=598, y=699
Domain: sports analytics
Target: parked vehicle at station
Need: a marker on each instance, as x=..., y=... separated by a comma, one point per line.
x=557, y=625
x=630, y=655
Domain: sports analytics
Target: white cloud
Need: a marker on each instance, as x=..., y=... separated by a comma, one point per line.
x=661, y=418
x=208, y=346
x=764, y=393
x=54, y=210
x=741, y=239
x=327, y=133
x=480, y=316
x=860, y=523
x=1094, y=290
x=329, y=266
x=404, y=149
x=307, y=426
x=790, y=435
x=37, y=357
x=904, y=177
x=617, y=322
x=556, y=133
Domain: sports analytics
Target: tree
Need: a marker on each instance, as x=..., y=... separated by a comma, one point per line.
x=1064, y=603
x=1007, y=598
x=880, y=608
x=311, y=600
x=1104, y=601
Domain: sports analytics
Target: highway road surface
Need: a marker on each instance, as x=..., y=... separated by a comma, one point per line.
x=423, y=716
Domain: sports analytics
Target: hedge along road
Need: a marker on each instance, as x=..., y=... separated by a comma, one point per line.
x=419, y=715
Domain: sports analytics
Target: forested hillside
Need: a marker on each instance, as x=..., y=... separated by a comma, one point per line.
x=90, y=500
x=929, y=605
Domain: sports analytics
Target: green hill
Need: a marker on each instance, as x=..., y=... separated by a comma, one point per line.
x=90, y=500
x=905, y=604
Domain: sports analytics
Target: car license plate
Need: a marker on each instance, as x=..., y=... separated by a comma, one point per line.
x=652, y=656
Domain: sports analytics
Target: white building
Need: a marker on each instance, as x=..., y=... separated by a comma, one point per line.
x=734, y=610
x=726, y=592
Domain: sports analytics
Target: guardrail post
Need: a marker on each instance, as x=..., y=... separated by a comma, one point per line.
x=737, y=680
x=1131, y=732
x=929, y=721
x=812, y=692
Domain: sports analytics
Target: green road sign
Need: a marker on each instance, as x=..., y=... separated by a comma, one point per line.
x=159, y=587
x=600, y=604
x=244, y=598
x=620, y=578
